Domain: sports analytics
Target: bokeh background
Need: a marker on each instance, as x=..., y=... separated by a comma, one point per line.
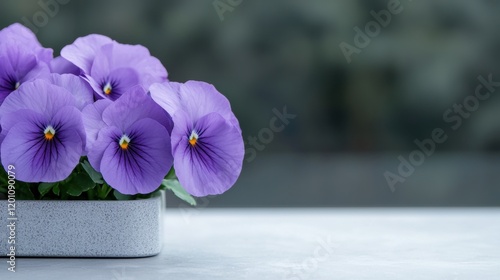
x=351, y=120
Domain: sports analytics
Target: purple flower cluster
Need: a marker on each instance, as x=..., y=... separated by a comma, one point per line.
x=113, y=104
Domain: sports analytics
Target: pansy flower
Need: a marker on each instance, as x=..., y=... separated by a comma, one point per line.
x=42, y=131
x=22, y=58
x=131, y=145
x=207, y=144
x=112, y=68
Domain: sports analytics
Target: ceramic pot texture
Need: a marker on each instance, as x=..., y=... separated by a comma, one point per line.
x=83, y=228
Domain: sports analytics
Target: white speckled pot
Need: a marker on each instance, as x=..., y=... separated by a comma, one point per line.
x=52, y=228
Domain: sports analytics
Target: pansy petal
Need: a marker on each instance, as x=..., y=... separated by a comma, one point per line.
x=142, y=166
x=200, y=98
x=213, y=164
x=60, y=65
x=83, y=51
x=39, y=160
x=133, y=106
x=17, y=61
x=107, y=137
x=120, y=81
x=116, y=55
x=92, y=119
x=40, y=71
x=17, y=118
x=94, y=85
x=39, y=96
x=18, y=67
x=80, y=89
x=24, y=38
x=13, y=119
x=183, y=128
x=167, y=96
x=69, y=118
x=152, y=71
x=196, y=98
x=8, y=77
x=20, y=33
x=124, y=66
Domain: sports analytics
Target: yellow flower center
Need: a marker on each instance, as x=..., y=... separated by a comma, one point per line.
x=107, y=89
x=193, y=139
x=124, y=142
x=49, y=132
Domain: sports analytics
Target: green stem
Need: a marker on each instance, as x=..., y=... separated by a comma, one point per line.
x=103, y=191
x=91, y=194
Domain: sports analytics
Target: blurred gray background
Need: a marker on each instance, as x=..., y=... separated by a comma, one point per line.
x=351, y=121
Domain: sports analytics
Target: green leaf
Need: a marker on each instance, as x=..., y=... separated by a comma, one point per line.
x=3, y=177
x=103, y=191
x=45, y=188
x=94, y=175
x=78, y=184
x=179, y=191
x=56, y=190
x=171, y=174
x=23, y=191
x=3, y=188
x=92, y=194
x=3, y=181
x=120, y=196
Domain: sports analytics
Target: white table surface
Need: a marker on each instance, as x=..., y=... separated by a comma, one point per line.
x=356, y=243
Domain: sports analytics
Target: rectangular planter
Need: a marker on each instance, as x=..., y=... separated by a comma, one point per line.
x=52, y=228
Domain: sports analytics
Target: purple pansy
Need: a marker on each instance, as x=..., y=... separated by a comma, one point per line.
x=93, y=101
x=207, y=144
x=112, y=68
x=42, y=131
x=129, y=141
x=22, y=59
